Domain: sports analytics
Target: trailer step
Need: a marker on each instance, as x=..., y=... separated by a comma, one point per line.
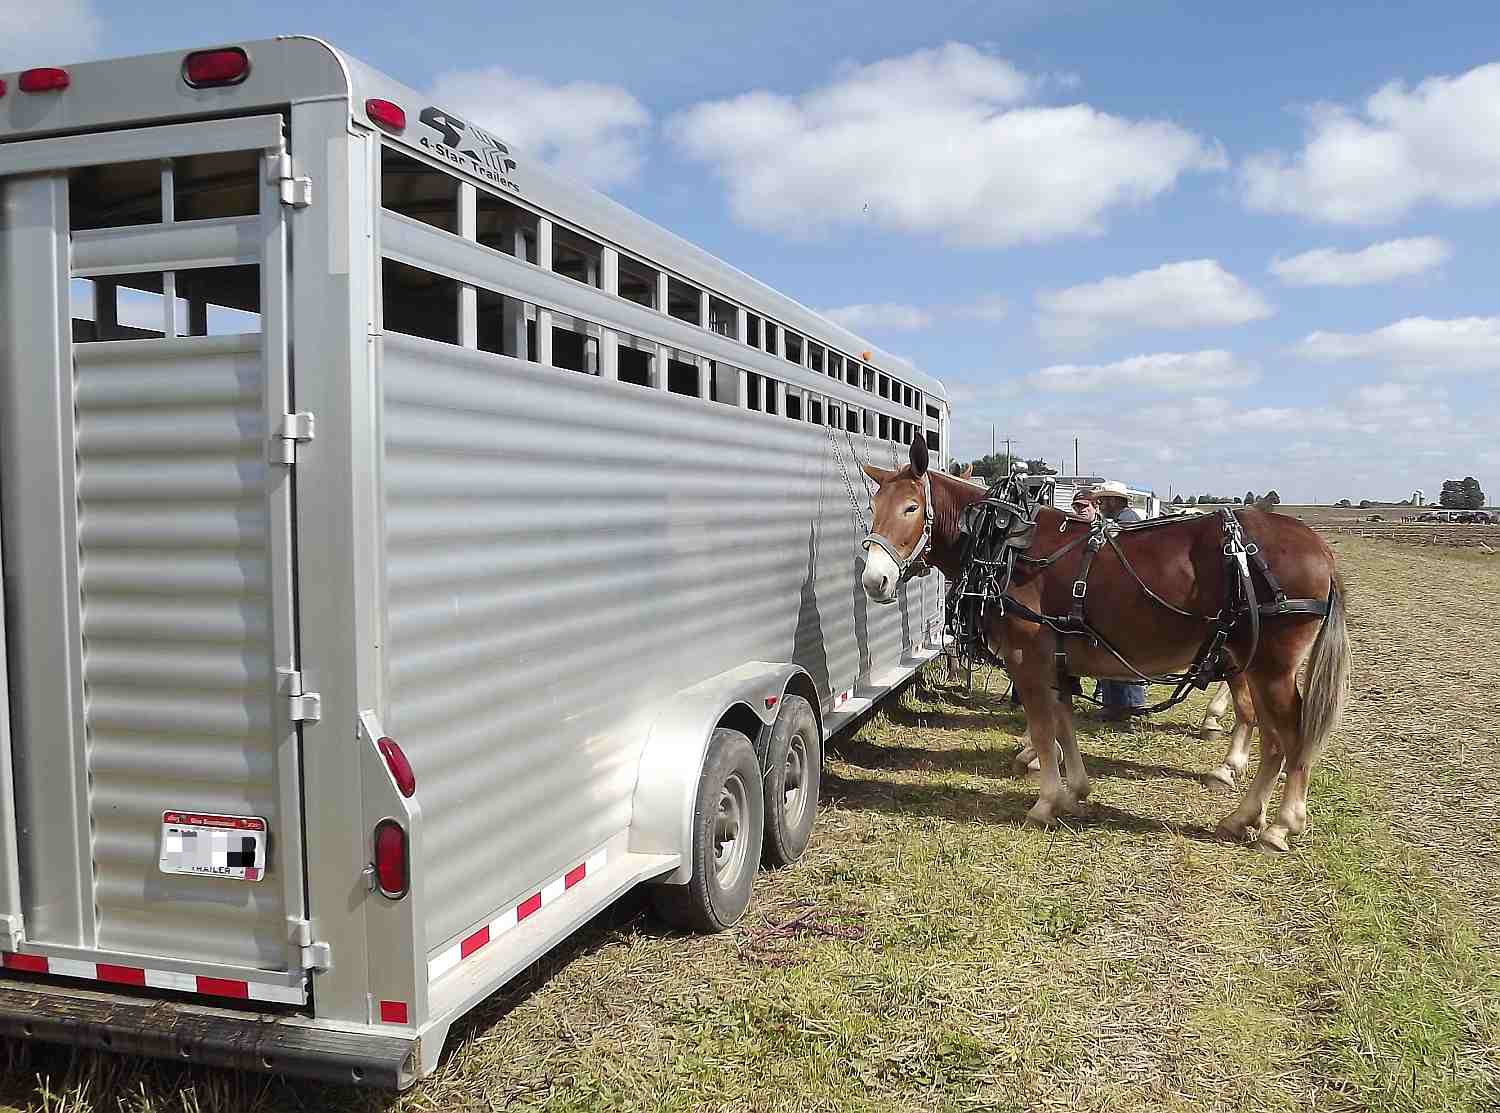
x=189, y=1032
x=465, y=985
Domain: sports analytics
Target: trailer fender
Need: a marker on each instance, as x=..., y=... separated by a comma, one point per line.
x=746, y=698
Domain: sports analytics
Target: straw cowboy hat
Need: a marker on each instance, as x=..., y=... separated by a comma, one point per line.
x=1111, y=488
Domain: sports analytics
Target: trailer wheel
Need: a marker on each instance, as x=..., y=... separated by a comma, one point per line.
x=794, y=761
x=728, y=821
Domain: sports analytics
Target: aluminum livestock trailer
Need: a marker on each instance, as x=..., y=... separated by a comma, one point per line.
x=406, y=552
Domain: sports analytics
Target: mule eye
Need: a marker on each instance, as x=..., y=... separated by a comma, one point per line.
x=912, y=509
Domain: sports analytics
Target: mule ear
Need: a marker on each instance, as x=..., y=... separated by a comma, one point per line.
x=879, y=476
x=919, y=456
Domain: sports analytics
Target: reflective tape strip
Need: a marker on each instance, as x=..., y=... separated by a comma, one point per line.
x=477, y=940
x=155, y=979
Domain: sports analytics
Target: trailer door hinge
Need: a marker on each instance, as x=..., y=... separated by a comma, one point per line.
x=295, y=429
x=295, y=191
x=315, y=954
x=302, y=706
x=12, y=931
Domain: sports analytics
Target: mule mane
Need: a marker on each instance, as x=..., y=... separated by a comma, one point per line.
x=949, y=497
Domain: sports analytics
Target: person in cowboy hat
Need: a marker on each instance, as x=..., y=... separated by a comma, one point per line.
x=1114, y=502
x=1121, y=698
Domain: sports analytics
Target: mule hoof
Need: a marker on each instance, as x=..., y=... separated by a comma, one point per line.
x=1082, y=807
x=1274, y=838
x=1042, y=815
x=1224, y=775
x=1234, y=829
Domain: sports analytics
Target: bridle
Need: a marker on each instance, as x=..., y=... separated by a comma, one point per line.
x=913, y=564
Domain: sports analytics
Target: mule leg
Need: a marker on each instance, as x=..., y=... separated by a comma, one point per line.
x=1041, y=718
x=1251, y=814
x=1284, y=709
x=1077, y=775
x=1213, y=717
x=1238, y=756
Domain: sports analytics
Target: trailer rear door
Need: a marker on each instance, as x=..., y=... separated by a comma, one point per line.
x=151, y=793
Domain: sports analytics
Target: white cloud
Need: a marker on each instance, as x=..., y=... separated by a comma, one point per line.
x=938, y=141
x=885, y=316
x=1416, y=345
x=1380, y=262
x=1212, y=369
x=590, y=131
x=899, y=317
x=47, y=34
x=990, y=308
x=1438, y=142
x=1198, y=293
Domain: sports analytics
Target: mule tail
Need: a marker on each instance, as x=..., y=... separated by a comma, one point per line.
x=1327, y=686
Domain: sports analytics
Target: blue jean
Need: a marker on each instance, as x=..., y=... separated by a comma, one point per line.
x=1122, y=693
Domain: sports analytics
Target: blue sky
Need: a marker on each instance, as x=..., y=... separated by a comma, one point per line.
x=1068, y=211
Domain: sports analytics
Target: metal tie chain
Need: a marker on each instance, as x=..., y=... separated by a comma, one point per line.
x=859, y=514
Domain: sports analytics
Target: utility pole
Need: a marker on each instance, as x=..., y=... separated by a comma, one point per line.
x=1076, y=470
x=992, y=438
x=1009, y=459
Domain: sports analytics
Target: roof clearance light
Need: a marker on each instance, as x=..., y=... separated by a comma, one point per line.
x=207, y=69
x=384, y=114
x=47, y=79
x=395, y=761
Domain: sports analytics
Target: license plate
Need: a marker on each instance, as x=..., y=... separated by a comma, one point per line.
x=232, y=846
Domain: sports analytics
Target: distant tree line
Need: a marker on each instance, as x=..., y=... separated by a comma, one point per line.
x=1250, y=499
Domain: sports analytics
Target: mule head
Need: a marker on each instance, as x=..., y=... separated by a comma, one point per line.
x=900, y=525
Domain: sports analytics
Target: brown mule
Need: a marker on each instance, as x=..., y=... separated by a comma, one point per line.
x=1183, y=563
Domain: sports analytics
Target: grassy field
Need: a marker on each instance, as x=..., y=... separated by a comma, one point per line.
x=946, y=957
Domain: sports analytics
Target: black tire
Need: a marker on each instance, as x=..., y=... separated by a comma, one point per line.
x=794, y=764
x=728, y=824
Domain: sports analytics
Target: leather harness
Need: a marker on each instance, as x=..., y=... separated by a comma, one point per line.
x=998, y=532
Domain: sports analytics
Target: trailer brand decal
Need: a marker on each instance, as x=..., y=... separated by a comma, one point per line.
x=232, y=846
x=468, y=147
x=154, y=979
x=476, y=940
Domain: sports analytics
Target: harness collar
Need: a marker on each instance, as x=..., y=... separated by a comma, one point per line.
x=914, y=563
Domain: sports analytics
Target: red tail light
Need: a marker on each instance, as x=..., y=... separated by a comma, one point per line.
x=395, y=761
x=44, y=80
x=391, y=117
x=392, y=871
x=2, y=87
x=205, y=69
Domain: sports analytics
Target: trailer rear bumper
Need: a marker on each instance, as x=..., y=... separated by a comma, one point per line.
x=187, y=1032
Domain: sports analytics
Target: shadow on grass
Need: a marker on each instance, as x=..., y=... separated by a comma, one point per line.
x=1005, y=806
x=997, y=761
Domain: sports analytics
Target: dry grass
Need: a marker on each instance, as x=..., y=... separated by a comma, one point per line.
x=1133, y=962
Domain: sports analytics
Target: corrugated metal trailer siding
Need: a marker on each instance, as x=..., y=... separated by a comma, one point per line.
x=562, y=553
x=174, y=570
